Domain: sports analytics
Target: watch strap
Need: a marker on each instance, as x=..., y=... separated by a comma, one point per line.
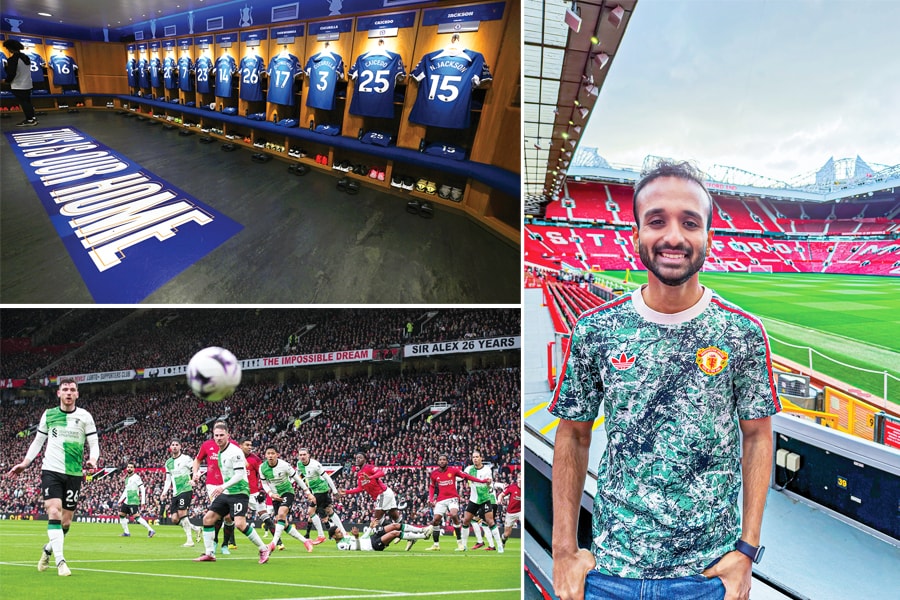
x=754, y=553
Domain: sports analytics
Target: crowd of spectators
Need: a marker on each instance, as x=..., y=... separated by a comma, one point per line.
x=115, y=339
x=385, y=414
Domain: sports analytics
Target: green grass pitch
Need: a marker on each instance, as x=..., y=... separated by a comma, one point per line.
x=850, y=319
x=106, y=566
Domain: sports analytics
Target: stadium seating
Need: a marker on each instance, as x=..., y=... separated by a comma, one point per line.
x=552, y=247
x=374, y=413
x=605, y=204
x=317, y=330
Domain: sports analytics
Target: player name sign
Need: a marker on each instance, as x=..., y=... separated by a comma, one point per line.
x=127, y=230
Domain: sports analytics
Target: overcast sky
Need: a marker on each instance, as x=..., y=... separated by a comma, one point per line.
x=772, y=87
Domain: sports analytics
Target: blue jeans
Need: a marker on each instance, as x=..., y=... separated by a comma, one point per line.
x=696, y=587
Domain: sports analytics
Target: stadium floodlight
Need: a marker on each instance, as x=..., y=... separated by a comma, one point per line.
x=572, y=18
x=592, y=89
x=601, y=58
x=615, y=16
x=583, y=111
x=577, y=128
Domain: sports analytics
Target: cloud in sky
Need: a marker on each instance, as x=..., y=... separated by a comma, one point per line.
x=775, y=88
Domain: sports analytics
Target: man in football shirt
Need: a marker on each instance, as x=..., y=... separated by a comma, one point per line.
x=132, y=500
x=209, y=451
x=380, y=538
x=446, y=79
x=513, y=494
x=178, y=477
x=283, y=68
x=257, y=494
x=278, y=478
x=321, y=487
x=442, y=493
x=231, y=497
x=65, y=429
x=686, y=386
x=323, y=70
x=481, y=501
x=368, y=480
x=375, y=74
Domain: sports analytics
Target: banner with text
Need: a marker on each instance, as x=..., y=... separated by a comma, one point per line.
x=249, y=364
x=511, y=342
x=127, y=230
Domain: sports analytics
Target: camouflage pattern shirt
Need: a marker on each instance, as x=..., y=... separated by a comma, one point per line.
x=673, y=388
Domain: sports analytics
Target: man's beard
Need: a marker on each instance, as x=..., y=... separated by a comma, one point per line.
x=693, y=265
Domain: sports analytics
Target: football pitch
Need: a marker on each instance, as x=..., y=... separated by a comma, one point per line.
x=106, y=566
x=848, y=320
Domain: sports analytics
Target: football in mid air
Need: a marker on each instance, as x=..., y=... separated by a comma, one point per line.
x=213, y=374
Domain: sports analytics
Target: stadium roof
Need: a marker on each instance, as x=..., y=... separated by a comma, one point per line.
x=835, y=180
x=563, y=74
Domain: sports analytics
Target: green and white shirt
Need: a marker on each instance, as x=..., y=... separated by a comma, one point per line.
x=134, y=493
x=278, y=478
x=66, y=434
x=673, y=388
x=314, y=474
x=481, y=492
x=178, y=472
x=231, y=463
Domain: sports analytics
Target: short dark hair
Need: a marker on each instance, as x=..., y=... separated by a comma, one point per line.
x=67, y=380
x=272, y=447
x=667, y=168
x=13, y=45
x=331, y=531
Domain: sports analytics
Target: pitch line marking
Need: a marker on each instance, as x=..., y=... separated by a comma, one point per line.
x=410, y=594
x=198, y=577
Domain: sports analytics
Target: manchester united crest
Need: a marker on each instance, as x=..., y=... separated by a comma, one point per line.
x=712, y=360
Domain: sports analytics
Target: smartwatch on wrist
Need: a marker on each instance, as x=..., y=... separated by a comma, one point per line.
x=754, y=553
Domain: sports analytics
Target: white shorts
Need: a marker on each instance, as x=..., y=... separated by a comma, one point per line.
x=386, y=500
x=446, y=506
x=510, y=519
x=255, y=506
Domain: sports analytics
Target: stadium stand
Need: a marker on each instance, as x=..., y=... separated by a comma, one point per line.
x=376, y=409
x=316, y=330
x=595, y=249
x=858, y=234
